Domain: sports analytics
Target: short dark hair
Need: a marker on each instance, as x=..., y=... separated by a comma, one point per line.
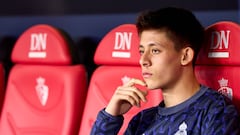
x=180, y=25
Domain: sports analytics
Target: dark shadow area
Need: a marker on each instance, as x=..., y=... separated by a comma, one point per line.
x=63, y=7
x=6, y=47
x=86, y=48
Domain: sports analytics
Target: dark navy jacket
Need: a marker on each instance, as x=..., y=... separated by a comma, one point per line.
x=206, y=113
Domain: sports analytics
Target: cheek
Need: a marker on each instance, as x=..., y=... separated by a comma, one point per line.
x=173, y=61
x=161, y=63
x=166, y=67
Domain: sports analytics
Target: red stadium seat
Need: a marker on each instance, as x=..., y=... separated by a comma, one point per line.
x=218, y=63
x=46, y=88
x=118, y=58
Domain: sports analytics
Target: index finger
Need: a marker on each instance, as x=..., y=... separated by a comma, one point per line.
x=134, y=81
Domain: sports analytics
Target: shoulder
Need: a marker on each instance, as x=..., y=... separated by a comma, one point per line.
x=215, y=106
x=220, y=113
x=215, y=100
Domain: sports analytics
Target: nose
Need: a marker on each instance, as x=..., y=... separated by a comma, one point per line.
x=145, y=60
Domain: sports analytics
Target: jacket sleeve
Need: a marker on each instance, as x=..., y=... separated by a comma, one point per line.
x=106, y=124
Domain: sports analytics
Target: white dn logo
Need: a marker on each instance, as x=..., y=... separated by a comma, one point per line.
x=38, y=45
x=122, y=45
x=220, y=41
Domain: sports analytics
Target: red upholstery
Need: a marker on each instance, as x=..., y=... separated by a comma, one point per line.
x=118, y=57
x=45, y=92
x=218, y=64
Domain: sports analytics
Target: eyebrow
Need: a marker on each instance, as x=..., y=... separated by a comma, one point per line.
x=151, y=44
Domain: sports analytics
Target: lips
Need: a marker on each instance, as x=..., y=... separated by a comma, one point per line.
x=146, y=75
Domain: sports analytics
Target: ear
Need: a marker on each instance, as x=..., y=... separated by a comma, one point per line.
x=187, y=56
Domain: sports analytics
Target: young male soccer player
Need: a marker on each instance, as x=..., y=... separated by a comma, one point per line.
x=170, y=39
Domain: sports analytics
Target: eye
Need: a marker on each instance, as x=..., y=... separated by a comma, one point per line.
x=141, y=51
x=155, y=51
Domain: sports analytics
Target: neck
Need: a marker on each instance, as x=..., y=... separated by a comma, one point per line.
x=183, y=90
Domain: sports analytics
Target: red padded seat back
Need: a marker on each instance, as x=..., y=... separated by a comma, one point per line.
x=218, y=63
x=118, y=58
x=45, y=91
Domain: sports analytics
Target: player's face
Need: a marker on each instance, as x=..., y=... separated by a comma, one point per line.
x=160, y=62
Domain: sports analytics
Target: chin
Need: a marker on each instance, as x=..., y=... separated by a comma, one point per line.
x=152, y=86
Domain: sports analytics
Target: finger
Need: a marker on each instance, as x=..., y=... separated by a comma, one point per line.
x=134, y=93
x=140, y=93
x=132, y=99
x=134, y=81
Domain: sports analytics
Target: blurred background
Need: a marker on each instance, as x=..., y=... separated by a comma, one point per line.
x=94, y=18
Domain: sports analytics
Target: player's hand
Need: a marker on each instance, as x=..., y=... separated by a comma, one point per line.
x=125, y=97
